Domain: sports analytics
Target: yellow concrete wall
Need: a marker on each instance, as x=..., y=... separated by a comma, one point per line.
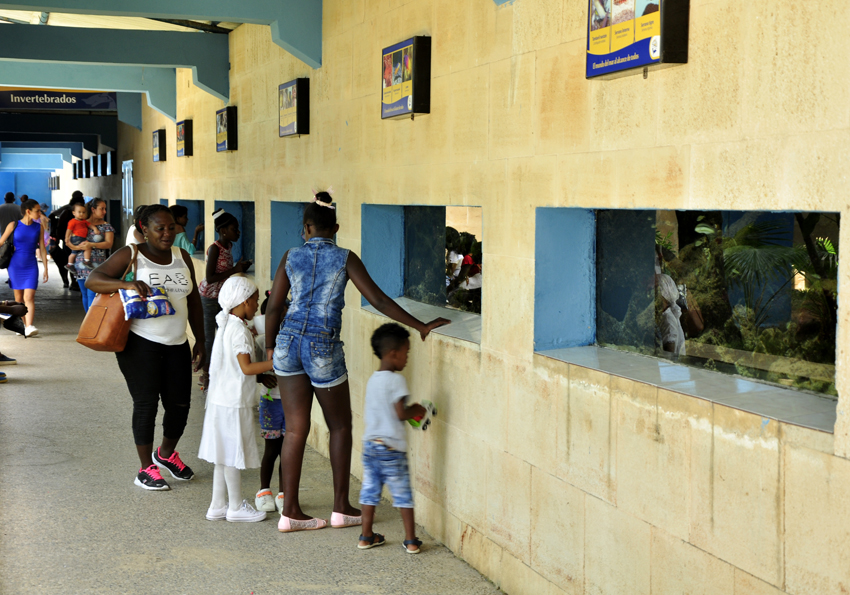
x=551, y=478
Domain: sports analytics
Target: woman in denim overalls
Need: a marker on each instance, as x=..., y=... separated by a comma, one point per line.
x=308, y=355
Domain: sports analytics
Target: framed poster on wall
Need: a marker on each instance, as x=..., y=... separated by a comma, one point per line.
x=184, y=138
x=226, y=131
x=294, y=107
x=406, y=78
x=626, y=35
x=159, y=145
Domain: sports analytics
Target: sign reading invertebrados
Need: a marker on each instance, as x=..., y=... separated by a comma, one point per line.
x=623, y=34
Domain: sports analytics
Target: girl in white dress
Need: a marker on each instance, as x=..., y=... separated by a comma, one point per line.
x=229, y=438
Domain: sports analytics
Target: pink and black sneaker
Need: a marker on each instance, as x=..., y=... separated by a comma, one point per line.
x=151, y=479
x=177, y=468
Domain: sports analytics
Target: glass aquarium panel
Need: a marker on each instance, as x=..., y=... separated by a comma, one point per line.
x=463, y=260
x=742, y=292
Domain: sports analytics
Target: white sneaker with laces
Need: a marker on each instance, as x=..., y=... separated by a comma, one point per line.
x=264, y=501
x=245, y=514
x=278, y=502
x=216, y=514
x=30, y=331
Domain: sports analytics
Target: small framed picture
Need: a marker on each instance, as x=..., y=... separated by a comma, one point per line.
x=159, y=145
x=294, y=107
x=184, y=138
x=406, y=78
x=226, y=129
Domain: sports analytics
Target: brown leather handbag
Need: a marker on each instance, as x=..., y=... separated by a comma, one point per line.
x=104, y=327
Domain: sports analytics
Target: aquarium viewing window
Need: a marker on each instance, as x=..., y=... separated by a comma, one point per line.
x=243, y=248
x=430, y=260
x=748, y=294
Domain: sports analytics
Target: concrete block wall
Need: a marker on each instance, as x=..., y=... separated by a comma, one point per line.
x=548, y=477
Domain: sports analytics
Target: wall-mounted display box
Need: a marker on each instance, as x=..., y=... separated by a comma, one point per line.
x=159, y=145
x=185, y=139
x=94, y=160
x=406, y=78
x=226, y=129
x=626, y=36
x=75, y=167
x=294, y=107
x=86, y=169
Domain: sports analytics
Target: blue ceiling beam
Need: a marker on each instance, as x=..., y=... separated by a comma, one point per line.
x=65, y=154
x=88, y=141
x=159, y=84
x=207, y=55
x=130, y=108
x=31, y=162
x=296, y=25
x=76, y=149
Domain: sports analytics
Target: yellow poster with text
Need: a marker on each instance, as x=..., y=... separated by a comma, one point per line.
x=648, y=26
x=600, y=41
x=623, y=35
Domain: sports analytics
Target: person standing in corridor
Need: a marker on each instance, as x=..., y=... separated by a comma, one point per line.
x=9, y=211
x=23, y=269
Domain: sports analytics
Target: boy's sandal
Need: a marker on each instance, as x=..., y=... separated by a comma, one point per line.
x=288, y=525
x=374, y=541
x=415, y=541
x=339, y=520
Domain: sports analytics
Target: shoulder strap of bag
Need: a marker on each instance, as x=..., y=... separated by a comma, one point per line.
x=133, y=262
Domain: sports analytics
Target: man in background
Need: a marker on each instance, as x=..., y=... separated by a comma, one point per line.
x=9, y=211
x=59, y=220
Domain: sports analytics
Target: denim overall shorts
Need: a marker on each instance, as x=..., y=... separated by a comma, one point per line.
x=309, y=338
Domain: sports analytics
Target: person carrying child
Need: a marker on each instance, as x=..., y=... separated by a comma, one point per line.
x=272, y=425
x=384, y=444
x=304, y=341
x=228, y=438
x=77, y=233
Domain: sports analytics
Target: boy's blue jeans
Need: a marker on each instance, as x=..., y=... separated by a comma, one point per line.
x=383, y=465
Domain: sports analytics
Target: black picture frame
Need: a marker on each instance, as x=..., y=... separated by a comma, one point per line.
x=406, y=78
x=94, y=160
x=158, y=145
x=86, y=168
x=226, y=129
x=659, y=38
x=185, y=138
x=293, y=100
x=75, y=169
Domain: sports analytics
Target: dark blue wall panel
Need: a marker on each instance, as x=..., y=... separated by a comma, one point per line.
x=287, y=225
x=382, y=246
x=564, y=278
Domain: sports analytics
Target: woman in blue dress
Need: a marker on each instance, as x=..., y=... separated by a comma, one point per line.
x=23, y=269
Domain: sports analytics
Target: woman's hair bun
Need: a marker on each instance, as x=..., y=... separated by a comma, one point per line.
x=325, y=197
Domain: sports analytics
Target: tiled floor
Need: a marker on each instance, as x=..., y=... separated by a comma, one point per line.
x=786, y=405
x=465, y=325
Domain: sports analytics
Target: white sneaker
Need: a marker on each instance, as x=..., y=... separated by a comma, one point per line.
x=30, y=331
x=245, y=514
x=278, y=502
x=216, y=514
x=264, y=501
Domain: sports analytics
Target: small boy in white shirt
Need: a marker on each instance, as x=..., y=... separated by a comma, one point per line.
x=384, y=444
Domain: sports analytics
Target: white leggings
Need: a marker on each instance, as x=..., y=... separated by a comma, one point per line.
x=227, y=486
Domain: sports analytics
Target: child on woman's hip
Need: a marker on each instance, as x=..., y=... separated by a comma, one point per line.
x=384, y=444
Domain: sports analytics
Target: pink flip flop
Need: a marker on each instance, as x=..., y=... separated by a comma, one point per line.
x=339, y=520
x=288, y=525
